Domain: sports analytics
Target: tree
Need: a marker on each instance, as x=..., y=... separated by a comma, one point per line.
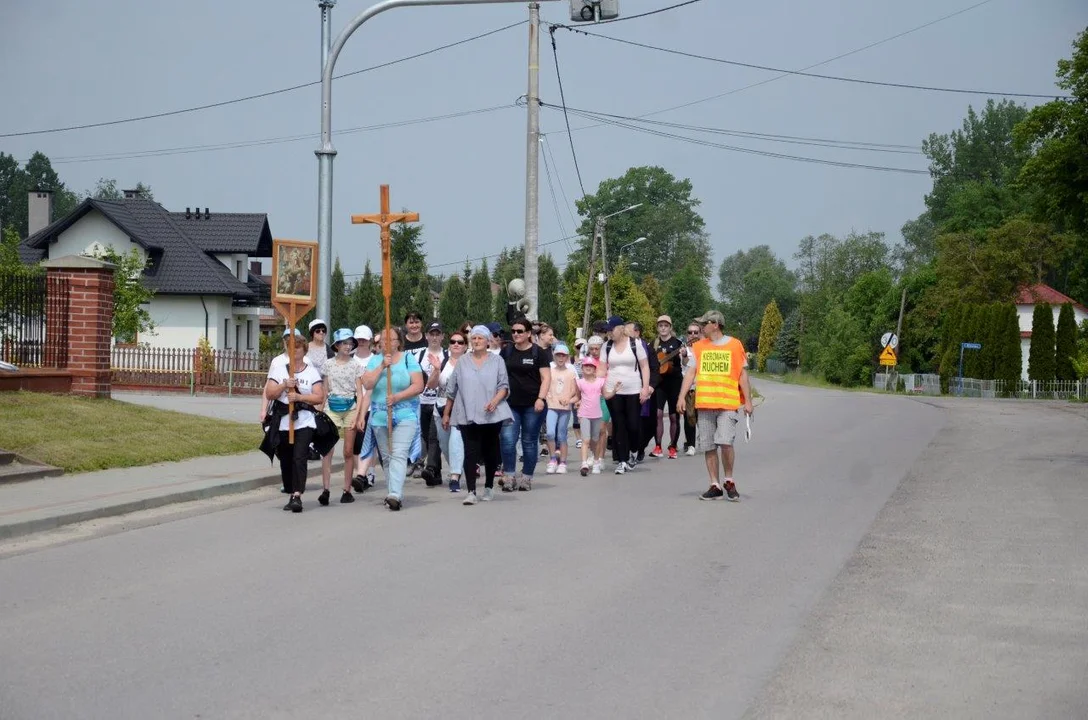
x=130, y=317
x=509, y=265
x=768, y=334
x=16, y=183
x=1041, y=352
x=106, y=189
x=651, y=288
x=747, y=281
x=787, y=344
x=549, y=310
x=687, y=295
x=339, y=315
x=1065, y=344
x=627, y=299
x=1008, y=361
x=843, y=355
x=409, y=271
x=453, y=304
x=480, y=302
x=919, y=246
x=9, y=250
x=365, y=302
x=1081, y=361
x=667, y=217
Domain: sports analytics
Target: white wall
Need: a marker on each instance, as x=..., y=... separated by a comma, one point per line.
x=92, y=228
x=179, y=321
x=231, y=262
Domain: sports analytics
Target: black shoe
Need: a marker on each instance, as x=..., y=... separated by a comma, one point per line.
x=714, y=493
x=347, y=498
x=392, y=503
x=731, y=491
x=290, y=504
x=427, y=474
x=323, y=498
x=359, y=484
x=296, y=504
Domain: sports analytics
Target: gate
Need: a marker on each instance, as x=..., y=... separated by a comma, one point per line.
x=34, y=319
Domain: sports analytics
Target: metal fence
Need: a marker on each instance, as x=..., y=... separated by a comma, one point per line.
x=194, y=369
x=34, y=319
x=1048, y=390
x=924, y=384
x=909, y=383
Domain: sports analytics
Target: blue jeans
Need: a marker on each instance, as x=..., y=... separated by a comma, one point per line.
x=558, y=423
x=453, y=447
x=526, y=425
x=395, y=461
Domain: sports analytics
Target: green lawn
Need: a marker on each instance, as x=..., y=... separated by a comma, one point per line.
x=81, y=434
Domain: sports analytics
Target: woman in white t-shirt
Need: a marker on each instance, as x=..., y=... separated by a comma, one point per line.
x=307, y=387
x=628, y=376
x=453, y=447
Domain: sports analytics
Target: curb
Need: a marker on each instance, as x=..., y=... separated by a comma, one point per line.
x=30, y=527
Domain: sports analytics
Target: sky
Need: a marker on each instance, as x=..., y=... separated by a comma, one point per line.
x=70, y=62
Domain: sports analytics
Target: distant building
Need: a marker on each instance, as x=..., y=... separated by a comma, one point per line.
x=1028, y=298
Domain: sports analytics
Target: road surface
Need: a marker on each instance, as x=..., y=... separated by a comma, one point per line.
x=605, y=597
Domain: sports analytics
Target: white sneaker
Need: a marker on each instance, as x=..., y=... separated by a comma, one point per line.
x=552, y=464
x=596, y=468
x=561, y=469
x=690, y=452
x=578, y=444
x=621, y=468
x=470, y=499
x=489, y=494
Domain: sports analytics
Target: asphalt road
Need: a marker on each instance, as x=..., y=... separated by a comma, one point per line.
x=605, y=597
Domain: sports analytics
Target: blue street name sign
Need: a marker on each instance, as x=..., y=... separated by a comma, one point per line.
x=972, y=346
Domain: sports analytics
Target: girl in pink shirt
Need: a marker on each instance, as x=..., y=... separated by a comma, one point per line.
x=589, y=413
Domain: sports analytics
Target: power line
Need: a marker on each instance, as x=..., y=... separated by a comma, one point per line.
x=647, y=14
x=839, y=78
x=751, y=151
x=555, y=200
x=185, y=150
x=563, y=98
x=257, y=96
x=559, y=180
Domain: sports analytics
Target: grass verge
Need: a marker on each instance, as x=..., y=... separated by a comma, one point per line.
x=82, y=434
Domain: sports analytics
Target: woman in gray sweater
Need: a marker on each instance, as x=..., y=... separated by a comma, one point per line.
x=476, y=404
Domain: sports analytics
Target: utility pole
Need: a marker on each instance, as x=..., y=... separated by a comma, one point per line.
x=597, y=230
x=607, y=285
x=899, y=336
x=532, y=159
x=324, y=219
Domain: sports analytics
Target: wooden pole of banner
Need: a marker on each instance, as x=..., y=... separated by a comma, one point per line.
x=383, y=220
x=292, y=308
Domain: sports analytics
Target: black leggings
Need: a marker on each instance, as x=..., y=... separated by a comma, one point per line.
x=293, y=459
x=481, y=444
x=625, y=425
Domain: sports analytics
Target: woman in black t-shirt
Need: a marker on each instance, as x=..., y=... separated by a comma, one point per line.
x=529, y=368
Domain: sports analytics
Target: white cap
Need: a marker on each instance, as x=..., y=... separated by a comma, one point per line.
x=364, y=333
x=315, y=323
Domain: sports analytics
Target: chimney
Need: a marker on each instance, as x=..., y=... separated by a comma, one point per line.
x=188, y=213
x=131, y=194
x=40, y=210
x=207, y=215
x=255, y=267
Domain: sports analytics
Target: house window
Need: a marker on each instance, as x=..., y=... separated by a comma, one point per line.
x=249, y=334
x=238, y=265
x=226, y=335
x=237, y=336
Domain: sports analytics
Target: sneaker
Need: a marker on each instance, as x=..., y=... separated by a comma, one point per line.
x=346, y=498
x=672, y=452
x=323, y=498
x=585, y=469
x=641, y=456
x=526, y=483
x=455, y=486
x=489, y=494
x=290, y=505
x=428, y=476
x=470, y=499
x=296, y=504
x=552, y=465
x=656, y=452
x=714, y=493
x=731, y=491
x=370, y=477
x=690, y=452
x=633, y=461
x=562, y=469
x=621, y=468
x=392, y=503
x=543, y=452
x=578, y=444
x=596, y=468
x=358, y=484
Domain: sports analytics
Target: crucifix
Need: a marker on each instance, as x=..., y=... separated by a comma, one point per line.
x=384, y=219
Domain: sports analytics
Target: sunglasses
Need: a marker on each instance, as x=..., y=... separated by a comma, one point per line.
x=693, y=332
x=457, y=342
x=518, y=331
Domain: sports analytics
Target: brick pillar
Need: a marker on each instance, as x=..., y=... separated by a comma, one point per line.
x=89, y=319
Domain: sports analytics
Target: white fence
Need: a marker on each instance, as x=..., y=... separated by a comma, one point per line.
x=919, y=384
x=910, y=383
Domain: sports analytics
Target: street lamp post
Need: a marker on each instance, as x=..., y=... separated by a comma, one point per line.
x=608, y=277
x=598, y=236
x=326, y=152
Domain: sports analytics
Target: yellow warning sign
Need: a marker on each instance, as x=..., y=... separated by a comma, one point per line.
x=888, y=356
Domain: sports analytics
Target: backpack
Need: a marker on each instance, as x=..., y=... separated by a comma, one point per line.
x=655, y=376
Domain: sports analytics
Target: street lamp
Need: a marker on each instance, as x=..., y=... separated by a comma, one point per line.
x=598, y=234
x=636, y=242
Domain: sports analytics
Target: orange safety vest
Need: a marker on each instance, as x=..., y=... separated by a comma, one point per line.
x=717, y=374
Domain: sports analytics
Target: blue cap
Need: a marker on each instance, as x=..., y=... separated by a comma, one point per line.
x=614, y=322
x=343, y=334
x=494, y=327
x=561, y=349
x=287, y=333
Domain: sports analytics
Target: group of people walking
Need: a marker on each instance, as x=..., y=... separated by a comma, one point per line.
x=411, y=397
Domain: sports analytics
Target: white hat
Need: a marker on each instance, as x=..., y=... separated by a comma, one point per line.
x=315, y=323
x=364, y=333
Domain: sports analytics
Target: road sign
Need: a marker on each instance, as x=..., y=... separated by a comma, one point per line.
x=888, y=356
x=971, y=346
x=889, y=339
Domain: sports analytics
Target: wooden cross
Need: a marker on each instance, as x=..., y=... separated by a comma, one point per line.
x=384, y=219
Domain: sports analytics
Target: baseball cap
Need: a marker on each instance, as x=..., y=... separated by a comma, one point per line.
x=287, y=333
x=314, y=324
x=711, y=316
x=596, y=340
x=579, y=342
x=614, y=322
x=665, y=318
x=494, y=327
x=590, y=362
x=435, y=325
x=364, y=333
x=561, y=349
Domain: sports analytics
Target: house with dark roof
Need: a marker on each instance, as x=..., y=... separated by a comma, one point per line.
x=203, y=267
x=1028, y=298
